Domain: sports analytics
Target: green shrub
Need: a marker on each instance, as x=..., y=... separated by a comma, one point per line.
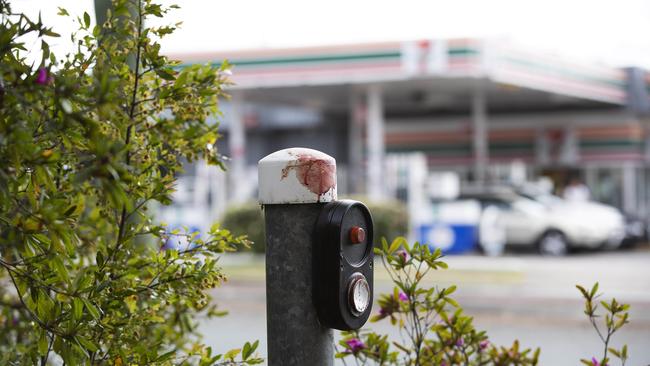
x=434, y=330
x=247, y=219
x=87, y=141
x=390, y=218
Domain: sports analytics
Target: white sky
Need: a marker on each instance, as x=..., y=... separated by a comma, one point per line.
x=614, y=32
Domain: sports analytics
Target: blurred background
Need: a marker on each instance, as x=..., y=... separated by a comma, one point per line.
x=513, y=135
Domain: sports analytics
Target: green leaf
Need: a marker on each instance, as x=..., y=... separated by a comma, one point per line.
x=87, y=344
x=131, y=303
x=449, y=290
x=77, y=308
x=86, y=19
x=70, y=210
x=584, y=292
x=396, y=244
x=166, y=356
x=60, y=269
x=247, y=353
x=166, y=74
x=50, y=33
x=43, y=344
x=230, y=355
x=92, y=309
x=594, y=289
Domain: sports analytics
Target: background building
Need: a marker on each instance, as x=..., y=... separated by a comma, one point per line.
x=488, y=111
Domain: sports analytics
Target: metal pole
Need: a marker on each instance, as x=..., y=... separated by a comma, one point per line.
x=101, y=8
x=294, y=184
x=294, y=334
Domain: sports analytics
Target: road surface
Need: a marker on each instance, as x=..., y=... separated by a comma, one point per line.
x=523, y=297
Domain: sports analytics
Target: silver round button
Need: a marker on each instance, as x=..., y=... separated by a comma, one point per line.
x=358, y=294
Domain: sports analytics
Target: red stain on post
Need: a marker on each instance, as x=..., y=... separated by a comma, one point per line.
x=318, y=175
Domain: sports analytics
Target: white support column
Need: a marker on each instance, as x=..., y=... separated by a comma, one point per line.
x=570, y=153
x=629, y=188
x=376, y=148
x=542, y=148
x=646, y=125
x=480, y=133
x=237, y=146
x=357, y=115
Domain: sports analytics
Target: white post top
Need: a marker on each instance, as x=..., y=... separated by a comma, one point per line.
x=297, y=175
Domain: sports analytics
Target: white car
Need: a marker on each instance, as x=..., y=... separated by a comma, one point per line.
x=551, y=224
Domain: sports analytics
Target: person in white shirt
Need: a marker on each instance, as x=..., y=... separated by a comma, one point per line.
x=576, y=191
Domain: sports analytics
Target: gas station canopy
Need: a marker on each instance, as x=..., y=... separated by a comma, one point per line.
x=420, y=77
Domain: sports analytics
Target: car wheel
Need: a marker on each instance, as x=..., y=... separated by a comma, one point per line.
x=553, y=243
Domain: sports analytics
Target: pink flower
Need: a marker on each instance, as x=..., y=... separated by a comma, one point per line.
x=42, y=77
x=403, y=297
x=403, y=255
x=355, y=344
x=595, y=362
x=483, y=345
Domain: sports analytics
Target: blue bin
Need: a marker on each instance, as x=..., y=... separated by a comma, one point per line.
x=450, y=238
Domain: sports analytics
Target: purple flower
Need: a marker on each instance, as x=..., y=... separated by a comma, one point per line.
x=595, y=362
x=355, y=344
x=460, y=342
x=42, y=77
x=404, y=255
x=403, y=297
x=483, y=345
x=382, y=311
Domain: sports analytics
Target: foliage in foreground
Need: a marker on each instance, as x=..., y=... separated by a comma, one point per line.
x=616, y=317
x=435, y=331
x=87, y=140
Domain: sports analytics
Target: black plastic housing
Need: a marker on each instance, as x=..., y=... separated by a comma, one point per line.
x=336, y=258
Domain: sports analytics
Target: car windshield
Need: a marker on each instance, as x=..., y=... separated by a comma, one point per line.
x=546, y=199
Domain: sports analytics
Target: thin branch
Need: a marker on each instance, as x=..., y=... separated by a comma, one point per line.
x=593, y=322
x=13, y=269
x=29, y=311
x=122, y=224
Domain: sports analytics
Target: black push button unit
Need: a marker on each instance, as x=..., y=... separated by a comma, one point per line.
x=343, y=260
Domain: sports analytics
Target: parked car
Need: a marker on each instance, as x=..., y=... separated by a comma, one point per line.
x=636, y=231
x=552, y=225
x=634, y=228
